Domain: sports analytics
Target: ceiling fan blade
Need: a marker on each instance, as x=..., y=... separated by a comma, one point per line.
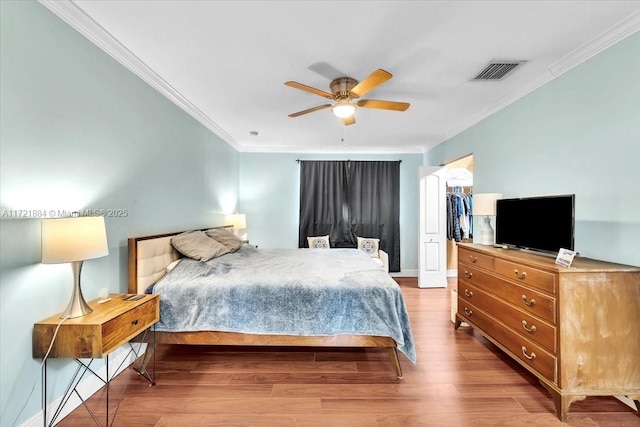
x=383, y=105
x=326, y=70
x=310, y=110
x=309, y=89
x=349, y=120
x=375, y=79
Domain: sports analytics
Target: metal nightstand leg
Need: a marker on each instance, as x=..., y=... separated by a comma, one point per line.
x=149, y=355
x=83, y=368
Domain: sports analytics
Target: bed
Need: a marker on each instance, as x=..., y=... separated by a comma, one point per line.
x=304, y=297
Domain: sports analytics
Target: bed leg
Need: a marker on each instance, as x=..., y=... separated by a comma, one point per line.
x=396, y=362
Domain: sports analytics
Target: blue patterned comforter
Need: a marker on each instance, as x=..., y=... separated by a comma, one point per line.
x=316, y=292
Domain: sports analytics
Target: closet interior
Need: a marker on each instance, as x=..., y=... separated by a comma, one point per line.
x=459, y=208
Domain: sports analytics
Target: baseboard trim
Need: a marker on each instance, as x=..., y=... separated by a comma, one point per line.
x=405, y=273
x=627, y=401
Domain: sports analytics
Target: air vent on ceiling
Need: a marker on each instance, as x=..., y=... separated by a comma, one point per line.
x=497, y=70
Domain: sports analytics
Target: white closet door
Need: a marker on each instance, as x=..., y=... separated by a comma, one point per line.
x=432, y=257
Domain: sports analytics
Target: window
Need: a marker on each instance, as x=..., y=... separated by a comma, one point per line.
x=347, y=199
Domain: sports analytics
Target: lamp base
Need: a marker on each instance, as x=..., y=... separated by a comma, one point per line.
x=77, y=306
x=486, y=232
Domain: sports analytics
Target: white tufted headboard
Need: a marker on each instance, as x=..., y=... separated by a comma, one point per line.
x=149, y=257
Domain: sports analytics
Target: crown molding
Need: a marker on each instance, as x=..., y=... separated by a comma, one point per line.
x=336, y=150
x=604, y=40
x=85, y=25
x=75, y=17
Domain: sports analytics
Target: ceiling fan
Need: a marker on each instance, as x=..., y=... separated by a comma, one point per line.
x=344, y=90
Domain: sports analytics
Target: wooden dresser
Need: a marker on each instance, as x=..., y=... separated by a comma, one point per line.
x=575, y=328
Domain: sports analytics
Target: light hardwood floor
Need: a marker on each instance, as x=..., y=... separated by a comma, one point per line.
x=460, y=379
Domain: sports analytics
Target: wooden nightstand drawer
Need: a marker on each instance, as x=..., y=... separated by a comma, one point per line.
x=98, y=333
x=475, y=258
x=530, y=276
x=126, y=326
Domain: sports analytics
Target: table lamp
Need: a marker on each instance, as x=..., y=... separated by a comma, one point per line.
x=74, y=240
x=484, y=204
x=239, y=222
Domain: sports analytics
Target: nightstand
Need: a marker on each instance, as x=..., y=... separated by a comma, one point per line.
x=94, y=336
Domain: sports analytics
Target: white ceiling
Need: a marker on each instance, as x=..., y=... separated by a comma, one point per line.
x=225, y=62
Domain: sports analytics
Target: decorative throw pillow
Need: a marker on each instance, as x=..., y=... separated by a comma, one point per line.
x=196, y=245
x=370, y=246
x=318, y=242
x=225, y=237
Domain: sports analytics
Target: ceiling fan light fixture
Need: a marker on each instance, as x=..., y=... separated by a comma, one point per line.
x=343, y=109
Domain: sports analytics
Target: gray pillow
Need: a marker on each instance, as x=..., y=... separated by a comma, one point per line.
x=226, y=238
x=196, y=245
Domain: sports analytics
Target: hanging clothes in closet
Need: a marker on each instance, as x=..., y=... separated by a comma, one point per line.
x=459, y=215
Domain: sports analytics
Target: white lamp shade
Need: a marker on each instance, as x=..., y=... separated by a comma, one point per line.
x=343, y=109
x=73, y=239
x=238, y=220
x=485, y=203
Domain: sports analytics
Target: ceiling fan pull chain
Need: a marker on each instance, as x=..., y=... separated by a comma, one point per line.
x=344, y=130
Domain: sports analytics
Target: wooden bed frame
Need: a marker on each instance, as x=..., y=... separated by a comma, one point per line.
x=150, y=255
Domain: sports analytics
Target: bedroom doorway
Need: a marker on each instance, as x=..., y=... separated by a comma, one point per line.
x=459, y=179
x=437, y=247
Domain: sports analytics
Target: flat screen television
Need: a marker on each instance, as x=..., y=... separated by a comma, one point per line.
x=543, y=224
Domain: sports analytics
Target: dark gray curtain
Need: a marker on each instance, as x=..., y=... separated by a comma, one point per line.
x=347, y=199
x=323, y=202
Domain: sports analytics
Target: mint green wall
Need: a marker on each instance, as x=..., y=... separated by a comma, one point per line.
x=270, y=192
x=579, y=133
x=79, y=131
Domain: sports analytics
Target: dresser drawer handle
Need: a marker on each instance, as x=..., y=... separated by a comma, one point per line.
x=468, y=293
x=468, y=275
x=531, y=329
x=134, y=322
x=473, y=259
x=529, y=303
x=530, y=357
x=519, y=275
x=468, y=312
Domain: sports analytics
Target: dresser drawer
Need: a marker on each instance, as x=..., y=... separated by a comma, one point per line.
x=528, y=326
x=126, y=326
x=532, y=302
x=475, y=258
x=530, y=276
x=474, y=276
x=529, y=353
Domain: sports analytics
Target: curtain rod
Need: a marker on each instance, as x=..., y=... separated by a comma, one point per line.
x=348, y=160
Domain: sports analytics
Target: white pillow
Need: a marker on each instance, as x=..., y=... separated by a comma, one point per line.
x=173, y=265
x=318, y=242
x=370, y=246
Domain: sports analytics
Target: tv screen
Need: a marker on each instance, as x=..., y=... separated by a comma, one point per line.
x=537, y=223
